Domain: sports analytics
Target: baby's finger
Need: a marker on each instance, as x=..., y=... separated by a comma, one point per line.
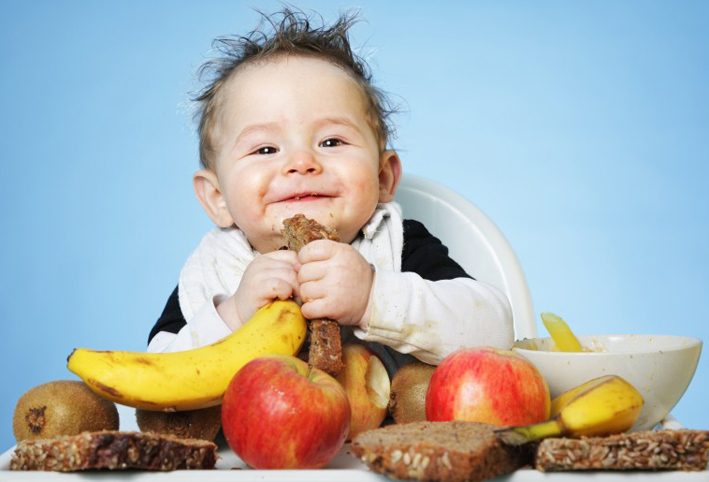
x=316, y=309
x=286, y=273
x=277, y=288
x=318, y=250
x=311, y=291
x=312, y=271
x=287, y=256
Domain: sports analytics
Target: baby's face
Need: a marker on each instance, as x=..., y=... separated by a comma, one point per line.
x=293, y=137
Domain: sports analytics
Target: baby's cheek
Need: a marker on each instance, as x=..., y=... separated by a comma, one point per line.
x=368, y=189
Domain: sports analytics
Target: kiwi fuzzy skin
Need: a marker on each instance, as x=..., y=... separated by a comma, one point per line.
x=201, y=424
x=407, y=402
x=62, y=407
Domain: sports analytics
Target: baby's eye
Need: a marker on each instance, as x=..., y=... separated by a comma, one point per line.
x=266, y=150
x=331, y=143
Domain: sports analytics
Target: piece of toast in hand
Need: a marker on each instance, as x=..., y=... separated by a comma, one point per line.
x=325, y=341
x=439, y=451
x=325, y=346
x=299, y=231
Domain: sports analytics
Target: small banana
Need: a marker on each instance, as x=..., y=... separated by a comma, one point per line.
x=191, y=379
x=602, y=406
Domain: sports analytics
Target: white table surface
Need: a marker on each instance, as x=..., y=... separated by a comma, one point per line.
x=343, y=468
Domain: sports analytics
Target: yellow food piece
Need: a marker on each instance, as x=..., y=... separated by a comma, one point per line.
x=603, y=406
x=599, y=407
x=561, y=333
x=190, y=379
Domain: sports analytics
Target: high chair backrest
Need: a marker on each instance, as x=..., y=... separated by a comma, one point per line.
x=473, y=241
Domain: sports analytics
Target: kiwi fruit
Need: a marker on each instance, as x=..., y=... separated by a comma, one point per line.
x=62, y=407
x=407, y=401
x=203, y=423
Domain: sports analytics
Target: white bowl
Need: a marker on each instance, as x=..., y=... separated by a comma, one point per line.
x=660, y=367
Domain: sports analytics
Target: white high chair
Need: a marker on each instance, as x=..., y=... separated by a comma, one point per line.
x=473, y=241
x=478, y=246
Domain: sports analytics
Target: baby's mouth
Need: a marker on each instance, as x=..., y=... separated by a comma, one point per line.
x=313, y=196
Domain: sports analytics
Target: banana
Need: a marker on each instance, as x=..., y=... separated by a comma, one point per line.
x=560, y=332
x=190, y=379
x=602, y=406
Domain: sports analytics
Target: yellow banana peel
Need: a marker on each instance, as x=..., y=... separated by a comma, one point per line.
x=195, y=378
x=602, y=406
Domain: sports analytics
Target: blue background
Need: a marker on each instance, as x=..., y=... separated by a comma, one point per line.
x=580, y=128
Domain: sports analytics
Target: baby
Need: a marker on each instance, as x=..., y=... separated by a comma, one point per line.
x=290, y=124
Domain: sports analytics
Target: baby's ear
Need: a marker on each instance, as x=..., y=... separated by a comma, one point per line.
x=206, y=187
x=389, y=175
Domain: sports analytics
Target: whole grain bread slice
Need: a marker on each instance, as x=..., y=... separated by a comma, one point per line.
x=114, y=450
x=439, y=451
x=653, y=450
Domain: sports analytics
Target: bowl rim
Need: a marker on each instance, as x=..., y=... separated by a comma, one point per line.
x=692, y=342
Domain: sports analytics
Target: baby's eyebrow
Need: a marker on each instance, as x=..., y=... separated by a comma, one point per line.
x=343, y=121
x=253, y=128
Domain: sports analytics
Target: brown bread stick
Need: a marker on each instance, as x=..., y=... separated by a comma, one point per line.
x=325, y=350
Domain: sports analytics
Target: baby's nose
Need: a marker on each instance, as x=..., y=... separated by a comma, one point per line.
x=302, y=162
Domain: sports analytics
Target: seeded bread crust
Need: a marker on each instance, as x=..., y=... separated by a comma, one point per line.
x=654, y=450
x=115, y=451
x=325, y=350
x=439, y=451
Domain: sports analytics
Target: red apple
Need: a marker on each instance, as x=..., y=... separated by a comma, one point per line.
x=366, y=383
x=279, y=413
x=487, y=385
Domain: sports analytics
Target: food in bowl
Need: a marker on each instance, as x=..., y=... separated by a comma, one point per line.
x=660, y=367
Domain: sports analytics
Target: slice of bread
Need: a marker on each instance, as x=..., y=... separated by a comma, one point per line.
x=299, y=231
x=653, y=450
x=114, y=450
x=325, y=346
x=325, y=338
x=439, y=451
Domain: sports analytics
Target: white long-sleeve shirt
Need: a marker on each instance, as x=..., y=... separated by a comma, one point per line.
x=428, y=310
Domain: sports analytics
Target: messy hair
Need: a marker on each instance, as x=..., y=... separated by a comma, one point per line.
x=288, y=32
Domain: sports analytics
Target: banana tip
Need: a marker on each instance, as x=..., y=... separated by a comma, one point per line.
x=509, y=436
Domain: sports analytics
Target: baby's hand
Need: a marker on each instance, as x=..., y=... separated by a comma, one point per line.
x=335, y=282
x=268, y=277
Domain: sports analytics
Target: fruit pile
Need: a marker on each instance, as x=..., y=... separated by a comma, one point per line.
x=278, y=412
